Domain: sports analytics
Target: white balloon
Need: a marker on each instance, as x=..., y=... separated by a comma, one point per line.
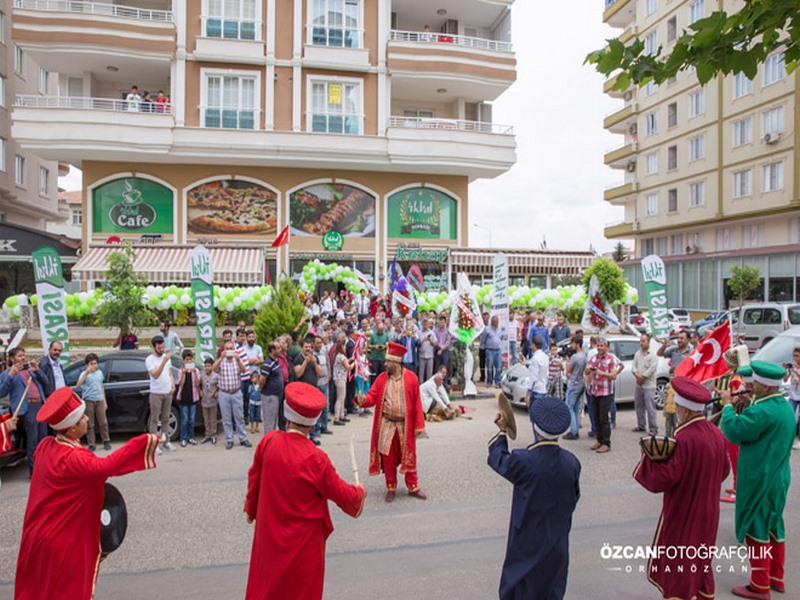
x=237, y=302
x=17, y=311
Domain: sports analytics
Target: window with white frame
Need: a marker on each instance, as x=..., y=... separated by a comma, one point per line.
x=774, y=68
x=753, y=235
x=697, y=103
x=697, y=193
x=773, y=121
x=651, y=6
x=231, y=100
x=648, y=247
x=651, y=201
x=672, y=29
x=650, y=88
x=19, y=169
x=42, y=81
x=19, y=60
x=697, y=10
x=743, y=132
x=772, y=176
x=651, y=123
x=2, y=91
x=677, y=243
x=672, y=158
x=724, y=236
x=651, y=42
x=232, y=19
x=44, y=177
x=3, y=155
x=336, y=23
x=742, y=183
x=77, y=215
x=672, y=200
x=2, y=27
x=336, y=106
x=651, y=163
x=661, y=245
x=672, y=114
x=697, y=147
x=742, y=85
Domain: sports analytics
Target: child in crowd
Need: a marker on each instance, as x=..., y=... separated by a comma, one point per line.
x=255, y=403
x=209, y=383
x=555, y=386
x=189, y=394
x=94, y=395
x=362, y=373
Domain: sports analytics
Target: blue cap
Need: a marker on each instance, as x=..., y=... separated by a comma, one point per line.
x=550, y=417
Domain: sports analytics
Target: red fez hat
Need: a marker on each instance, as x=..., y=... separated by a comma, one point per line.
x=62, y=410
x=303, y=404
x=690, y=394
x=395, y=351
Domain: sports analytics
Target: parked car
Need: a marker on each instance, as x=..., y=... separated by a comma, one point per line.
x=680, y=316
x=516, y=380
x=764, y=321
x=127, y=389
x=779, y=349
x=712, y=320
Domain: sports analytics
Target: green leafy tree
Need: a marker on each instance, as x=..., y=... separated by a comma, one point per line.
x=122, y=307
x=620, y=252
x=720, y=43
x=610, y=278
x=743, y=282
x=282, y=314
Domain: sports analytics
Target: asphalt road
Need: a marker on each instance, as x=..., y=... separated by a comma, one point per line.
x=187, y=537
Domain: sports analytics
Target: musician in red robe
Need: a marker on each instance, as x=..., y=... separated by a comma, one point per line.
x=7, y=425
x=690, y=481
x=398, y=421
x=59, y=554
x=288, y=488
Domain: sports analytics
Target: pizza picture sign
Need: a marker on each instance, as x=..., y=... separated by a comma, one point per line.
x=231, y=207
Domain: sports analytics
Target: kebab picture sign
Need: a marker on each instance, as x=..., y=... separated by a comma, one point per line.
x=321, y=208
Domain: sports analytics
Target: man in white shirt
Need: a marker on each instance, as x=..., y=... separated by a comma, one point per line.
x=435, y=401
x=362, y=305
x=328, y=306
x=538, y=368
x=162, y=386
x=513, y=334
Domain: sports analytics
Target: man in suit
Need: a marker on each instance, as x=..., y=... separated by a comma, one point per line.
x=13, y=383
x=50, y=368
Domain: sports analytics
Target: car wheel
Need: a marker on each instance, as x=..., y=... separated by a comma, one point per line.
x=661, y=392
x=173, y=430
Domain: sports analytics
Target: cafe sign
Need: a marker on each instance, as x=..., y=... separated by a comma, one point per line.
x=418, y=254
x=422, y=213
x=132, y=205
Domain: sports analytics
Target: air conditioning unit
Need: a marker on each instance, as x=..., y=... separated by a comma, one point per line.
x=627, y=96
x=633, y=129
x=631, y=166
x=771, y=138
x=692, y=249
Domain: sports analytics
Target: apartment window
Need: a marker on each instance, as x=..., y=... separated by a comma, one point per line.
x=42, y=81
x=697, y=147
x=3, y=155
x=19, y=60
x=648, y=247
x=2, y=91
x=651, y=42
x=677, y=243
x=651, y=7
x=772, y=176
x=231, y=101
x=19, y=169
x=773, y=121
x=672, y=29
x=2, y=27
x=774, y=68
x=672, y=158
x=724, y=238
x=651, y=163
x=651, y=88
x=753, y=236
x=697, y=103
x=743, y=132
x=742, y=85
x=77, y=215
x=697, y=193
x=336, y=23
x=697, y=10
x=232, y=19
x=661, y=246
x=652, y=204
x=672, y=200
x=672, y=114
x=44, y=176
x=336, y=107
x=651, y=123
x=742, y=183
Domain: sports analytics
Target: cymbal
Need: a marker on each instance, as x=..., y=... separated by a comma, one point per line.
x=113, y=520
x=508, y=415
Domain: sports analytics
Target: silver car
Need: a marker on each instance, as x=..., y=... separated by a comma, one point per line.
x=516, y=380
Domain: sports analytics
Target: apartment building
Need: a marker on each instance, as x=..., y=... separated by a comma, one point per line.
x=708, y=174
x=359, y=124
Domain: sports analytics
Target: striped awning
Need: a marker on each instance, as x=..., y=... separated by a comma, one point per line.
x=232, y=266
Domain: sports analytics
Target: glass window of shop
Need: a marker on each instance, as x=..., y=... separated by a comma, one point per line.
x=673, y=270
x=709, y=297
x=782, y=277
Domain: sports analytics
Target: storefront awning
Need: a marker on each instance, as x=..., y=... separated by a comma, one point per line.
x=232, y=266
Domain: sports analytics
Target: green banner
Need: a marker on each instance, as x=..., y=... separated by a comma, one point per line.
x=52, y=302
x=422, y=213
x=203, y=294
x=655, y=285
x=132, y=205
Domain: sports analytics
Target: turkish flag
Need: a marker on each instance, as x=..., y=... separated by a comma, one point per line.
x=706, y=361
x=282, y=239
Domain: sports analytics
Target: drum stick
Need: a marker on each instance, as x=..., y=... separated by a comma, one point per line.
x=22, y=399
x=353, y=458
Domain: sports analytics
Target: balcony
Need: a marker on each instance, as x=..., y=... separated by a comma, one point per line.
x=619, y=13
x=616, y=193
x=620, y=121
x=451, y=124
x=52, y=30
x=619, y=157
x=476, y=69
x=625, y=229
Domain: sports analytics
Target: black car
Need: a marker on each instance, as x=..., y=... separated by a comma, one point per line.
x=127, y=388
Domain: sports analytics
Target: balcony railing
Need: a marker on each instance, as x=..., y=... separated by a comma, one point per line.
x=83, y=103
x=428, y=37
x=335, y=37
x=216, y=117
x=455, y=124
x=96, y=8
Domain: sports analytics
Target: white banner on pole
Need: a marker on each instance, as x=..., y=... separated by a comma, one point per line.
x=500, y=301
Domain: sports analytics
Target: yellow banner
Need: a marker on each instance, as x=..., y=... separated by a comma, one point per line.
x=334, y=93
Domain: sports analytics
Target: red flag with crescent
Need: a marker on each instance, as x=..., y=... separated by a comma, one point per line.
x=706, y=361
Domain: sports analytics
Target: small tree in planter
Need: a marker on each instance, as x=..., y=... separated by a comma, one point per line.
x=122, y=307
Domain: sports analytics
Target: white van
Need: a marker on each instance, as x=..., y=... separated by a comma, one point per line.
x=764, y=321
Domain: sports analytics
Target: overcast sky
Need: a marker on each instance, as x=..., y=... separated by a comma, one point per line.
x=557, y=105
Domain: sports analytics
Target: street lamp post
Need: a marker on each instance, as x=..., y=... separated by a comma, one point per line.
x=485, y=229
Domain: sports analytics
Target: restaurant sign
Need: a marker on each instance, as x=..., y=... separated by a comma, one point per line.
x=422, y=213
x=418, y=254
x=132, y=205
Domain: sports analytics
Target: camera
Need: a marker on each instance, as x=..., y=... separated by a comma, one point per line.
x=566, y=351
